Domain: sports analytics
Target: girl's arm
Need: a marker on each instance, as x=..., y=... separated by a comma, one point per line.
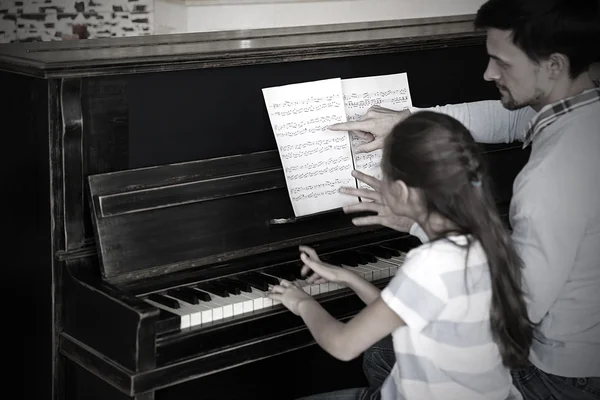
x=364, y=289
x=344, y=341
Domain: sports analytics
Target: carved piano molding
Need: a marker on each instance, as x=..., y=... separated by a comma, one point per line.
x=48, y=20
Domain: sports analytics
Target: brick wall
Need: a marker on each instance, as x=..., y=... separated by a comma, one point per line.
x=46, y=20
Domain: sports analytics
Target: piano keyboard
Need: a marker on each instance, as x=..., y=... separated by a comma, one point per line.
x=221, y=299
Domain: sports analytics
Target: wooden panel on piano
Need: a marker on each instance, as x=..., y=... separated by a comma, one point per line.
x=158, y=220
x=111, y=105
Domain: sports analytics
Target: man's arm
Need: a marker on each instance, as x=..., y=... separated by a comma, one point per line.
x=488, y=121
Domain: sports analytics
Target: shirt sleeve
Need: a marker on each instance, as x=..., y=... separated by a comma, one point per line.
x=488, y=121
x=416, y=293
x=416, y=230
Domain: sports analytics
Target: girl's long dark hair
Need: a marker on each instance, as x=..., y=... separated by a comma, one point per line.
x=436, y=154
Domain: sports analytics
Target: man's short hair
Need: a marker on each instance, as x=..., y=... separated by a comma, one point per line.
x=543, y=27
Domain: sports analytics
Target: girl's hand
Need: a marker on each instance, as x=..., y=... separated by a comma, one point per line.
x=289, y=294
x=322, y=272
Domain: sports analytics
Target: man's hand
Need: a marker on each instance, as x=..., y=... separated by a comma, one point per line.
x=373, y=127
x=384, y=216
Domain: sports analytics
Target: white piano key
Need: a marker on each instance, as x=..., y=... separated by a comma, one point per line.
x=365, y=272
x=383, y=267
x=358, y=271
x=267, y=302
x=216, y=307
x=241, y=304
x=256, y=297
x=375, y=273
x=222, y=304
x=394, y=265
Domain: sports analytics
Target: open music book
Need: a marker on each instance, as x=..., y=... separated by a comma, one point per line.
x=317, y=161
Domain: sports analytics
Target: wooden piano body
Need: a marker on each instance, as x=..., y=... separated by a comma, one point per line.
x=149, y=163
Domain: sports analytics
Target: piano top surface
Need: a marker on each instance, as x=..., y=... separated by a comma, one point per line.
x=94, y=57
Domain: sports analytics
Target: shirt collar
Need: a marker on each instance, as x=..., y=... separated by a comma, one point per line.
x=551, y=112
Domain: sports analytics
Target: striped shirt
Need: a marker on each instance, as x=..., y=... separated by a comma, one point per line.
x=445, y=351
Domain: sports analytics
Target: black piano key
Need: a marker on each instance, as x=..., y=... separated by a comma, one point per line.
x=329, y=260
x=244, y=287
x=254, y=282
x=366, y=258
x=294, y=269
x=202, y=295
x=267, y=278
x=361, y=258
x=394, y=244
x=214, y=288
x=349, y=259
x=231, y=288
x=394, y=252
x=377, y=251
x=343, y=258
x=281, y=273
x=165, y=301
x=184, y=294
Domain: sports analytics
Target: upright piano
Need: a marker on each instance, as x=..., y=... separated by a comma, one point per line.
x=142, y=176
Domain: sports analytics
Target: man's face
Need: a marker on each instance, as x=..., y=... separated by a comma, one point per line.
x=521, y=81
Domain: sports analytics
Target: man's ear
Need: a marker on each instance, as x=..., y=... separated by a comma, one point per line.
x=558, y=65
x=400, y=191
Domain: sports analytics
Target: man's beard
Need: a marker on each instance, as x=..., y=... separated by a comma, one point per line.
x=509, y=102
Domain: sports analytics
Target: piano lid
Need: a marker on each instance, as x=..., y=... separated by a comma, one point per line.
x=158, y=220
x=171, y=52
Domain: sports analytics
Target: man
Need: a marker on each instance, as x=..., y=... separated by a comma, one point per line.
x=540, y=53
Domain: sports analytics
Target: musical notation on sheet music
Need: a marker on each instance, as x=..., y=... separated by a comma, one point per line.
x=389, y=91
x=316, y=161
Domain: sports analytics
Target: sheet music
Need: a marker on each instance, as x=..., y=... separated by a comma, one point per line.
x=389, y=91
x=316, y=161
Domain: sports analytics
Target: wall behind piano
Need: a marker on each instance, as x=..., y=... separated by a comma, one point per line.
x=180, y=16
x=49, y=20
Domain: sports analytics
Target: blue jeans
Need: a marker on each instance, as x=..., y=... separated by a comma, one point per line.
x=533, y=383
x=378, y=361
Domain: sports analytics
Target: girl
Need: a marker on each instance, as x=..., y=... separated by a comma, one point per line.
x=455, y=309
